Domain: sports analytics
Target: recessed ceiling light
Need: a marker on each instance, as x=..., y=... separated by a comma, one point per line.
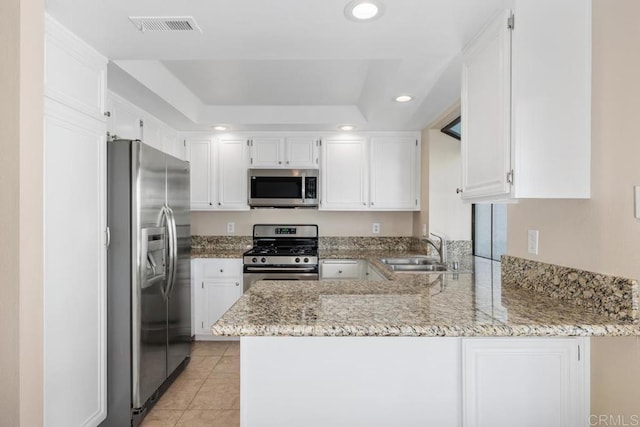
x=220, y=127
x=346, y=127
x=363, y=10
x=404, y=98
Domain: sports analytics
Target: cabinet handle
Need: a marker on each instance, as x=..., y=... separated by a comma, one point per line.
x=210, y=204
x=287, y=161
x=221, y=271
x=280, y=162
x=219, y=203
x=364, y=203
x=371, y=203
x=107, y=113
x=237, y=283
x=339, y=271
x=458, y=190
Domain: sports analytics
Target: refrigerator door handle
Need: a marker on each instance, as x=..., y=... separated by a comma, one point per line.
x=165, y=221
x=173, y=250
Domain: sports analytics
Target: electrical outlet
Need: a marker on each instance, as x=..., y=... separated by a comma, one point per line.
x=376, y=228
x=231, y=227
x=532, y=242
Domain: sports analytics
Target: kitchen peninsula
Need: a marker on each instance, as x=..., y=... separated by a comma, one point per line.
x=423, y=349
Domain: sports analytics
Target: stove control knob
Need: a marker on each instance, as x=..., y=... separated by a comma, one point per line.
x=297, y=259
x=254, y=260
x=263, y=260
x=306, y=260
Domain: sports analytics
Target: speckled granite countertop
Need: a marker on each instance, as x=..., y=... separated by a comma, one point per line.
x=447, y=304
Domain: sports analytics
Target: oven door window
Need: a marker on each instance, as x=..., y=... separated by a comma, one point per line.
x=276, y=187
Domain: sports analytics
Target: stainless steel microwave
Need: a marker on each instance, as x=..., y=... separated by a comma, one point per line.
x=283, y=188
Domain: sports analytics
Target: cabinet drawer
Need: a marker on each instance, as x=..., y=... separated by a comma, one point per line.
x=342, y=269
x=220, y=267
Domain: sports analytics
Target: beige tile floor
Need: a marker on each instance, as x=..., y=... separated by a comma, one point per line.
x=207, y=393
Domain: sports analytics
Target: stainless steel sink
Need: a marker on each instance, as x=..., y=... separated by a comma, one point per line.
x=412, y=260
x=417, y=268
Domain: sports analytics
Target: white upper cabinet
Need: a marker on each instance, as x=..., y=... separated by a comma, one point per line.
x=153, y=133
x=284, y=152
x=358, y=172
x=302, y=152
x=394, y=172
x=526, y=106
x=200, y=155
x=266, y=152
x=344, y=174
x=172, y=144
x=382, y=173
x=127, y=121
x=486, y=112
x=124, y=119
x=232, y=174
x=75, y=74
x=218, y=173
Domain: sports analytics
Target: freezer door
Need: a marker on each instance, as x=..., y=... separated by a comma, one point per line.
x=148, y=304
x=179, y=297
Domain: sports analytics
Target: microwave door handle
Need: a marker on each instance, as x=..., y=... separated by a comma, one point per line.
x=304, y=187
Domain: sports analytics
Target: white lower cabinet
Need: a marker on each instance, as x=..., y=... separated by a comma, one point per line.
x=525, y=382
x=217, y=285
x=414, y=381
x=349, y=381
x=350, y=269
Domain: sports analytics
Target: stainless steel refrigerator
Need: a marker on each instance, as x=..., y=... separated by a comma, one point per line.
x=148, y=293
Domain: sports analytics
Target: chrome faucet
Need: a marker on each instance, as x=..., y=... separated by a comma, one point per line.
x=438, y=247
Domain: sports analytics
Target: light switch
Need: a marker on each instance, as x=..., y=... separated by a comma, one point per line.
x=532, y=242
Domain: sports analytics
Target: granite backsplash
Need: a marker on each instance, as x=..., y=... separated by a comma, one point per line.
x=616, y=297
x=455, y=250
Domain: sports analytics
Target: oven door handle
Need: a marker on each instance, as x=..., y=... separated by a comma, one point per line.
x=281, y=270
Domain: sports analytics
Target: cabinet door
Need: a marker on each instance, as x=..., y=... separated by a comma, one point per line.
x=267, y=152
x=551, y=111
x=200, y=156
x=153, y=133
x=486, y=113
x=75, y=268
x=340, y=269
x=219, y=296
x=372, y=274
x=394, y=180
x=301, y=152
x=124, y=120
x=526, y=382
x=206, y=271
x=344, y=171
x=221, y=268
x=75, y=74
x=232, y=174
x=173, y=144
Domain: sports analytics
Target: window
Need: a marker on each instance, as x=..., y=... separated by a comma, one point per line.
x=489, y=230
x=453, y=129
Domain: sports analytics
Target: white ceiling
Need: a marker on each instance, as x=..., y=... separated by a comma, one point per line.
x=284, y=64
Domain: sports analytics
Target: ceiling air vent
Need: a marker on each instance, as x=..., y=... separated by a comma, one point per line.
x=165, y=23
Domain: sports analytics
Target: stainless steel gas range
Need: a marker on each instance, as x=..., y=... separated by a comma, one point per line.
x=282, y=252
